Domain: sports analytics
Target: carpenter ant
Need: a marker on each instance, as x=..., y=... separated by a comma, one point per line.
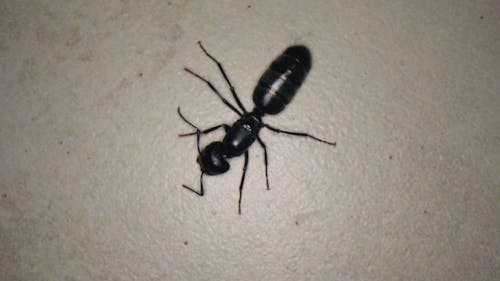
x=275, y=89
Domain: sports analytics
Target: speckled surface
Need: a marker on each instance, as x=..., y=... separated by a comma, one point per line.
x=91, y=166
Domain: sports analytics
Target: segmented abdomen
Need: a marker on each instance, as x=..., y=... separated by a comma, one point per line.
x=279, y=83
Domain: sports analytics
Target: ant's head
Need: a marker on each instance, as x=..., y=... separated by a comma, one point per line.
x=211, y=159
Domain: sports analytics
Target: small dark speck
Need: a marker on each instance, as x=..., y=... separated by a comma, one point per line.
x=4, y=195
x=296, y=223
x=67, y=152
x=390, y=157
x=25, y=151
x=481, y=17
x=140, y=74
x=249, y=6
x=185, y=243
x=61, y=142
x=425, y=211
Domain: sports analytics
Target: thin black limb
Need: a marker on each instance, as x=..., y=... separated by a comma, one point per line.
x=265, y=159
x=226, y=102
x=219, y=65
x=185, y=119
x=209, y=130
x=299, y=134
x=199, y=193
x=198, y=132
x=242, y=181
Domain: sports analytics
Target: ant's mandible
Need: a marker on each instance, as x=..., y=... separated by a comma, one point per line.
x=275, y=89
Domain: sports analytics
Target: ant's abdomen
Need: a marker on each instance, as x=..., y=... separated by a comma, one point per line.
x=279, y=83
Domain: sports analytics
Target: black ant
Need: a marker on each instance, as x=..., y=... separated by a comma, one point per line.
x=275, y=89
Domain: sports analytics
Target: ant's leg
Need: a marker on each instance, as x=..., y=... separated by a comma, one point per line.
x=226, y=102
x=299, y=134
x=198, y=132
x=199, y=193
x=209, y=130
x=219, y=65
x=265, y=159
x=242, y=181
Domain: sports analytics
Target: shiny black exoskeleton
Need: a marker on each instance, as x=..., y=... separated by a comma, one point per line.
x=275, y=89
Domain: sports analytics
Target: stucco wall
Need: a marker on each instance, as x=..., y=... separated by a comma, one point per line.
x=91, y=166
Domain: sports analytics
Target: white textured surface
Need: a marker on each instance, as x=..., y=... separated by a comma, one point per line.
x=91, y=166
